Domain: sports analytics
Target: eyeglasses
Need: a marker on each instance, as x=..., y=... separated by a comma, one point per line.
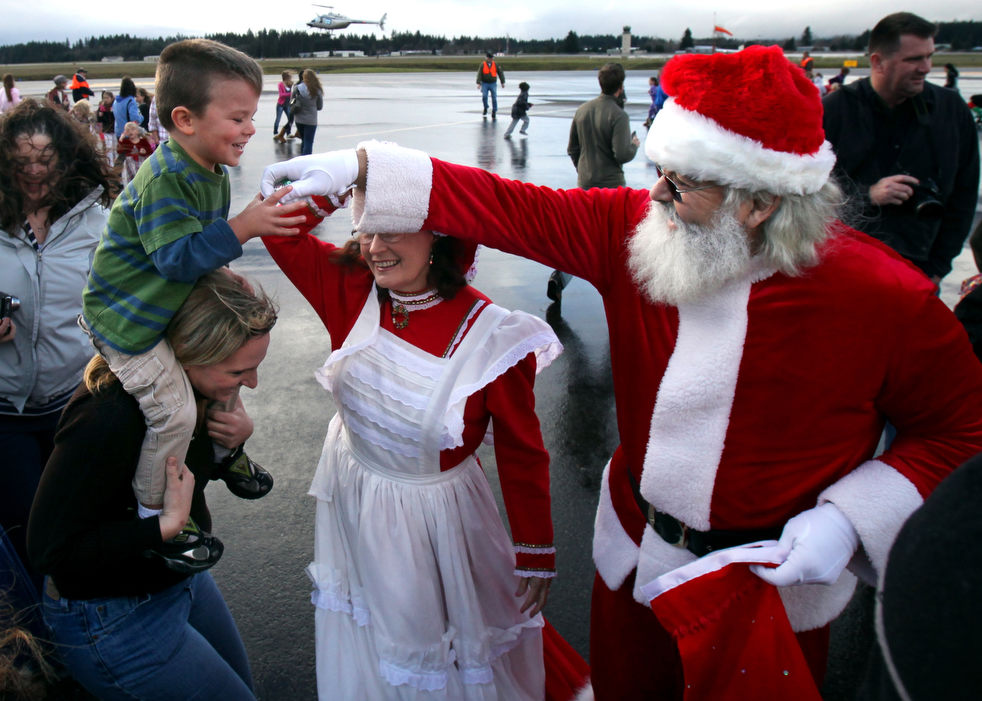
x=675, y=188
x=365, y=239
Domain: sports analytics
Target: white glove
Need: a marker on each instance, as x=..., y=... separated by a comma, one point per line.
x=325, y=174
x=819, y=544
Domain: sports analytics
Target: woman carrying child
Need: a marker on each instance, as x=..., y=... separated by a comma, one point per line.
x=125, y=625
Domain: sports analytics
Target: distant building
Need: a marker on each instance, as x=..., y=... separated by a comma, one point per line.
x=626, y=42
x=112, y=59
x=151, y=59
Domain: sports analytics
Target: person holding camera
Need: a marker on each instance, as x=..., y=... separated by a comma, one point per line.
x=54, y=199
x=906, y=150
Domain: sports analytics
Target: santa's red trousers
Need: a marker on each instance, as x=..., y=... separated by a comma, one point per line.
x=633, y=657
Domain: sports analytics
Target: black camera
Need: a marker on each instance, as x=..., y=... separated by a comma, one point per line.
x=8, y=305
x=926, y=200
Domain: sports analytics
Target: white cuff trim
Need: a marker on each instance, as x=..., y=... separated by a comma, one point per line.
x=876, y=499
x=397, y=193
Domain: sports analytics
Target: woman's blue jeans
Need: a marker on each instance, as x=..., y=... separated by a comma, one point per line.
x=307, y=143
x=180, y=643
x=280, y=111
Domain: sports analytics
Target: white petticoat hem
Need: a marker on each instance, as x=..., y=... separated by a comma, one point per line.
x=397, y=675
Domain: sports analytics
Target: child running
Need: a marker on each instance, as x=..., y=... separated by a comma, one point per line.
x=520, y=110
x=168, y=227
x=134, y=147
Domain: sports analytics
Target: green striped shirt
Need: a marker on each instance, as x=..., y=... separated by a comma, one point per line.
x=127, y=302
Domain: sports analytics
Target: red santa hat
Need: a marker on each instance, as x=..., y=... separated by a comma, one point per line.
x=750, y=119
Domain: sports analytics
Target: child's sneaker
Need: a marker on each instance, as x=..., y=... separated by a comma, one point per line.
x=244, y=477
x=190, y=551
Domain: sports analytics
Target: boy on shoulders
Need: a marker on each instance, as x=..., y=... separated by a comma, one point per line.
x=169, y=226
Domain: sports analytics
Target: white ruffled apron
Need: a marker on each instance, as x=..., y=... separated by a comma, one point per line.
x=413, y=570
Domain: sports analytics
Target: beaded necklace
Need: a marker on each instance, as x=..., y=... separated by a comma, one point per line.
x=403, y=303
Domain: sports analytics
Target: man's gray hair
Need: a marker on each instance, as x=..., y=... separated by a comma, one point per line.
x=793, y=233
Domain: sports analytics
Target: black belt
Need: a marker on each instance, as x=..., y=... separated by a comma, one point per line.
x=699, y=543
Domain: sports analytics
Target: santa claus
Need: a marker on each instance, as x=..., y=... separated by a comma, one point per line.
x=758, y=348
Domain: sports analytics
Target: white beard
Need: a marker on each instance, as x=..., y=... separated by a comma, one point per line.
x=684, y=264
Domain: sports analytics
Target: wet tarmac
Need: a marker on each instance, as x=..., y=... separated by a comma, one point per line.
x=269, y=542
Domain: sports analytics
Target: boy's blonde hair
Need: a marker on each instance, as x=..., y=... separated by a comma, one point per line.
x=186, y=70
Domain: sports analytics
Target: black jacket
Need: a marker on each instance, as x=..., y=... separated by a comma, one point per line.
x=930, y=136
x=83, y=529
x=521, y=106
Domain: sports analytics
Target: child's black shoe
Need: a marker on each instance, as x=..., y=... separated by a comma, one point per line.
x=244, y=477
x=190, y=551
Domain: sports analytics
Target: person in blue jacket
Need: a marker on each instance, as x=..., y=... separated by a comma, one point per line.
x=125, y=108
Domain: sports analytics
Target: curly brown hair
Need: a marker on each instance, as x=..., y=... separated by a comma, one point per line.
x=80, y=167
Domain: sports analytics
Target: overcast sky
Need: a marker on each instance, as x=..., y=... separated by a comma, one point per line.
x=57, y=20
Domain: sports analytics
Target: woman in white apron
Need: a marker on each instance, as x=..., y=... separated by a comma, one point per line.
x=420, y=592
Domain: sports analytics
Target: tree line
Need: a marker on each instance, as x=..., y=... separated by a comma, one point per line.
x=270, y=43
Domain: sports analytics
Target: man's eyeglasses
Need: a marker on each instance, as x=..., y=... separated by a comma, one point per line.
x=365, y=239
x=675, y=187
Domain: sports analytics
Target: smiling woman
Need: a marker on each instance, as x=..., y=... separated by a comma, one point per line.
x=54, y=195
x=422, y=365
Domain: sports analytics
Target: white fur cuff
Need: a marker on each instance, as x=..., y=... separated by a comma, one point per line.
x=876, y=499
x=397, y=194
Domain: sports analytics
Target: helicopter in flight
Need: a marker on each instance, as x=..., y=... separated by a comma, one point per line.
x=335, y=20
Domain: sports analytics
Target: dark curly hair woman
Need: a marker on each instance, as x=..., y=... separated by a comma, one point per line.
x=54, y=202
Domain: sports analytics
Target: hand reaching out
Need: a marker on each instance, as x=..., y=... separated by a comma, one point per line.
x=331, y=173
x=267, y=217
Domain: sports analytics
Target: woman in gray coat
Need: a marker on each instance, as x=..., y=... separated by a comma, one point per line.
x=54, y=199
x=307, y=99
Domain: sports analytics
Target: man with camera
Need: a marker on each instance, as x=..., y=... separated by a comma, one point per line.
x=906, y=149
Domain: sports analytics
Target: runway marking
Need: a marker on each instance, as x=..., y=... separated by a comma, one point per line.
x=425, y=126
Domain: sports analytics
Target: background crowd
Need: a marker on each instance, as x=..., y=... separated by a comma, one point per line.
x=62, y=161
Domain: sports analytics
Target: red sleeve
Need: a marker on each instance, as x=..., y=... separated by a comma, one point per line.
x=336, y=292
x=933, y=395
x=578, y=231
x=523, y=467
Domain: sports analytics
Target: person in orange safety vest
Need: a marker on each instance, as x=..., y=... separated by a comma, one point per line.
x=488, y=76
